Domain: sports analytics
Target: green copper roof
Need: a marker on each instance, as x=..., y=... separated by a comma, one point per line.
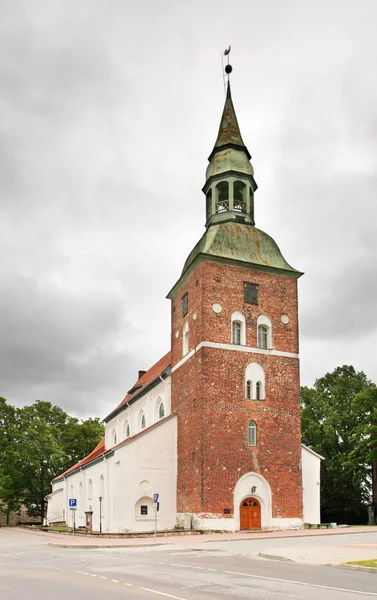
x=242, y=243
x=229, y=131
x=238, y=244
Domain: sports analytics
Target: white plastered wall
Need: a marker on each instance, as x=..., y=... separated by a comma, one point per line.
x=311, y=483
x=145, y=465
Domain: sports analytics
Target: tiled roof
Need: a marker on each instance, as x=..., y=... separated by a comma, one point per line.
x=141, y=384
x=145, y=380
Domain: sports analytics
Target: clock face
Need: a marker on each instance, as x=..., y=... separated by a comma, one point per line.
x=284, y=319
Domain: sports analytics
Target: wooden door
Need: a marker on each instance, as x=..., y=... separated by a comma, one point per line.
x=250, y=514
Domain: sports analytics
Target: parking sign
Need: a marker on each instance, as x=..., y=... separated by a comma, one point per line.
x=72, y=503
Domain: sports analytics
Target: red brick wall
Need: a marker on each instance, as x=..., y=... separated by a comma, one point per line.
x=208, y=393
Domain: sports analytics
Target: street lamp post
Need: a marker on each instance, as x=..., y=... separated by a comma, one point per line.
x=100, y=514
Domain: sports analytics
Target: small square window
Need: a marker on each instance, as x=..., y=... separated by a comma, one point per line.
x=184, y=304
x=251, y=293
x=143, y=510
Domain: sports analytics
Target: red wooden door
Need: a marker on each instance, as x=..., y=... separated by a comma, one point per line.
x=250, y=514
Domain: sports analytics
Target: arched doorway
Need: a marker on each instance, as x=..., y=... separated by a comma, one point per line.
x=250, y=514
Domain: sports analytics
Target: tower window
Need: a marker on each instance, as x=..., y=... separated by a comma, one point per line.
x=239, y=203
x=185, y=339
x=161, y=411
x=255, y=373
x=222, y=190
x=128, y=430
x=238, y=328
x=264, y=331
x=262, y=336
x=252, y=434
x=209, y=203
x=236, y=332
x=184, y=304
x=250, y=293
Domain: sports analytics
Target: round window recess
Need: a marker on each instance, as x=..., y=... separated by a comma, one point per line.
x=177, y=334
x=194, y=316
x=217, y=308
x=284, y=319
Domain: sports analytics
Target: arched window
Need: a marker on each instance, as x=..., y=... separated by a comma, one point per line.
x=144, y=507
x=251, y=203
x=236, y=332
x=142, y=421
x=252, y=434
x=127, y=430
x=239, y=203
x=81, y=497
x=238, y=329
x=90, y=489
x=114, y=437
x=262, y=336
x=161, y=411
x=254, y=382
x=264, y=332
x=209, y=203
x=185, y=339
x=222, y=191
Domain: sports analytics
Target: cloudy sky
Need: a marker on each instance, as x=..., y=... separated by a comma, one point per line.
x=108, y=112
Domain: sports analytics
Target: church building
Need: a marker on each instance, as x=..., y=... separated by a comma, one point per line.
x=213, y=427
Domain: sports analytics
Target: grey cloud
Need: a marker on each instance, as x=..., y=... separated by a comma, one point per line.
x=108, y=114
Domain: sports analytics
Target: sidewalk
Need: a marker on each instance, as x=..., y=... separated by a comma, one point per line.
x=79, y=541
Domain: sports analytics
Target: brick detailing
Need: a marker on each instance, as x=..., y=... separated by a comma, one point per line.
x=208, y=393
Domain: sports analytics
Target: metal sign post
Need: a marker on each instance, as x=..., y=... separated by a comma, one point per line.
x=73, y=510
x=72, y=503
x=156, y=507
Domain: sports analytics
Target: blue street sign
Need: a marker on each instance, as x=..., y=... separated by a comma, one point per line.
x=155, y=498
x=72, y=503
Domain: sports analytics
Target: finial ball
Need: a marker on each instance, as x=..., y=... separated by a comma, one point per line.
x=228, y=69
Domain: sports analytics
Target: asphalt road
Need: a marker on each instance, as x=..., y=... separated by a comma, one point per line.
x=32, y=569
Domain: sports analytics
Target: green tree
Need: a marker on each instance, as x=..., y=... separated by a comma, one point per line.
x=41, y=441
x=338, y=423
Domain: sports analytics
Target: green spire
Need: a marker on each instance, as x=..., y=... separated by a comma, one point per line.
x=229, y=132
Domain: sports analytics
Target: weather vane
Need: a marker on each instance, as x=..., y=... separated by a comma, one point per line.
x=228, y=68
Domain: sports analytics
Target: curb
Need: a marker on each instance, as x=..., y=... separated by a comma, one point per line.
x=96, y=547
x=275, y=557
x=170, y=541
x=354, y=568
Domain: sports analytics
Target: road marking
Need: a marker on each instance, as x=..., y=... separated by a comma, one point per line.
x=161, y=593
x=115, y=580
x=82, y=573
x=102, y=577
x=316, y=585
x=93, y=575
x=211, y=569
x=178, y=565
x=201, y=568
x=129, y=584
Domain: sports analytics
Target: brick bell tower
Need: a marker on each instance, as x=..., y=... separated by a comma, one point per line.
x=235, y=364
